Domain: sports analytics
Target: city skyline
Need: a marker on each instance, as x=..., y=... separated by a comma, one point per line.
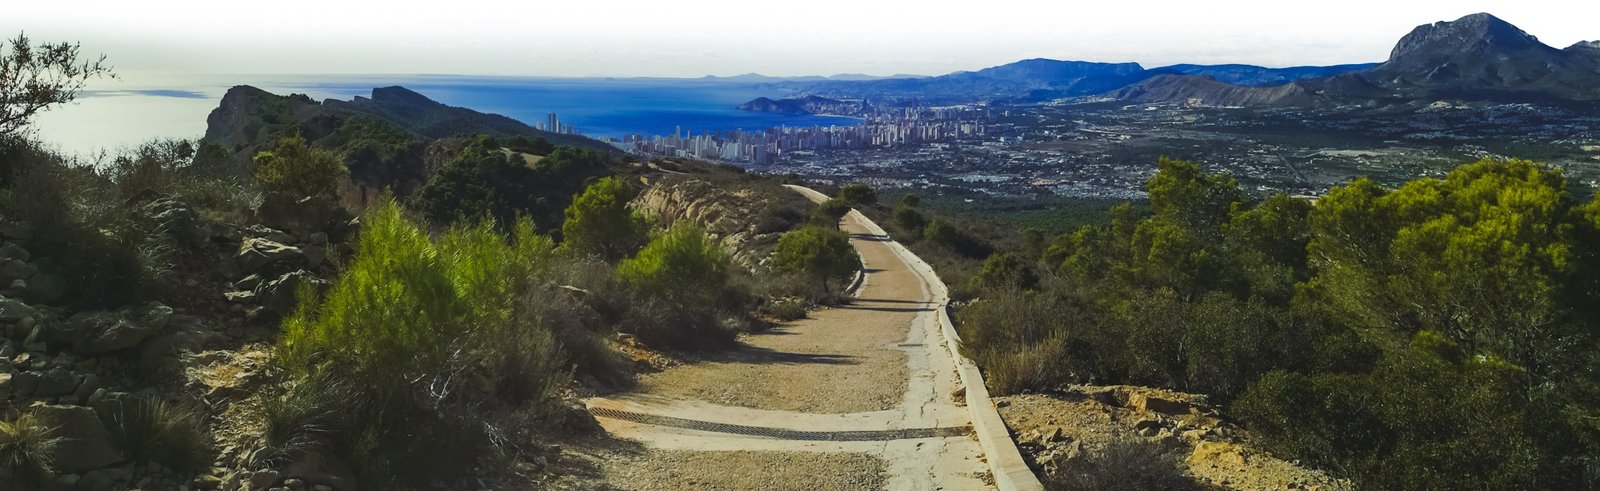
x=723, y=38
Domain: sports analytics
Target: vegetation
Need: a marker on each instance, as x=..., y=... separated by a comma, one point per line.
x=482, y=180
x=684, y=276
x=40, y=76
x=829, y=212
x=822, y=254
x=26, y=447
x=296, y=168
x=858, y=194
x=600, y=221
x=155, y=430
x=1434, y=336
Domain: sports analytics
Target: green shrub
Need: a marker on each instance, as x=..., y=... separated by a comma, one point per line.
x=298, y=169
x=788, y=310
x=599, y=222
x=155, y=430
x=685, y=272
x=26, y=450
x=822, y=254
x=1005, y=271
x=1017, y=339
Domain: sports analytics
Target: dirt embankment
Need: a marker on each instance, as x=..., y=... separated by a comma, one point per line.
x=1067, y=432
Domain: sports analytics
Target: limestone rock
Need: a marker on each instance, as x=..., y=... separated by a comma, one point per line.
x=95, y=333
x=85, y=444
x=279, y=294
x=256, y=254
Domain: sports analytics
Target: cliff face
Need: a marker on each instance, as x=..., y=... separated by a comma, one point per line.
x=748, y=217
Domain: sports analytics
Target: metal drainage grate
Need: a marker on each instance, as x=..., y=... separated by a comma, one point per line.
x=781, y=433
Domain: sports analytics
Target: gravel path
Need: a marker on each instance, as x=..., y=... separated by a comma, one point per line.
x=672, y=470
x=802, y=366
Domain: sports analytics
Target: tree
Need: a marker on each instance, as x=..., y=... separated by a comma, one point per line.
x=828, y=213
x=296, y=168
x=910, y=200
x=33, y=78
x=909, y=218
x=599, y=222
x=858, y=194
x=820, y=253
x=1005, y=271
x=683, y=266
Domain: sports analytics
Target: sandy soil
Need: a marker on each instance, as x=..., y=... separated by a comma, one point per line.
x=803, y=365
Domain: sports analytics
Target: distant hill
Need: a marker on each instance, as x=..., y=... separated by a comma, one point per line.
x=1256, y=76
x=248, y=118
x=1475, y=58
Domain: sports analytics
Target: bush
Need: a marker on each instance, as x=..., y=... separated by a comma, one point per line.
x=909, y=220
x=296, y=168
x=154, y=430
x=26, y=448
x=1126, y=464
x=687, y=273
x=824, y=255
x=412, y=341
x=599, y=222
x=1017, y=340
x=1005, y=271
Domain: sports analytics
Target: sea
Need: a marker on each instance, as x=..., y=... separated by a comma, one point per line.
x=111, y=116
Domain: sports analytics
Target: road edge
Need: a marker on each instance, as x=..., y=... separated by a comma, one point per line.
x=1005, y=461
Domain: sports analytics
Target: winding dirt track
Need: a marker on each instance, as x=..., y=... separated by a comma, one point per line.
x=864, y=388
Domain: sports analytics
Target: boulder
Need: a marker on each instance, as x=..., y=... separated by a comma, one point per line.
x=44, y=288
x=279, y=295
x=1157, y=404
x=259, y=231
x=12, y=310
x=301, y=216
x=16, y=230
x=85, y=445
x=14, y=252
x=177, y=220
x=256, y=254
x=156, y=353
x=14, y=269
x=55, y=382
x=95, y=333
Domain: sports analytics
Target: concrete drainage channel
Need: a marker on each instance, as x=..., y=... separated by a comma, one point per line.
x=782, y=433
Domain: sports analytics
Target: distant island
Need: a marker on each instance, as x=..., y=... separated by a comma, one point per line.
x=805, y=106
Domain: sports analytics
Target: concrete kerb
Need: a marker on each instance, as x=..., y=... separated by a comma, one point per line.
x=1005, y=461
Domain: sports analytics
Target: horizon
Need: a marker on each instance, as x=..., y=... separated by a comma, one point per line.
x=692, y=40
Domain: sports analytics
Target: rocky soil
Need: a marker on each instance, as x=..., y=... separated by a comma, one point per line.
x=1058, y=430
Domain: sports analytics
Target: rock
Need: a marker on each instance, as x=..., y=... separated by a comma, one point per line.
x=264, y=232
x=157, y=353
x=255, y=254
x=55, y=382
x=16, y=230
x=1158, y=404
x=86, y=388
x=95, y=333
x=249, y=282
x=263, y=479
x=1217, y=453
x=12, y=310
x=176, y=219
x=104, y=479
x=314, y=255
x=318, y=238
x=301, y=216
x=45, y=288
x=85, y=445
x=240, y=297
x=279, y=294
x=14, y=269
x=14, y=252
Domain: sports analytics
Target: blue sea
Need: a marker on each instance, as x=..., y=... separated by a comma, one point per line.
x=117, y=114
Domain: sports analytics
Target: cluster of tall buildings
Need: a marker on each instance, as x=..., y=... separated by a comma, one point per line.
x=554, y=125
x=888, y=128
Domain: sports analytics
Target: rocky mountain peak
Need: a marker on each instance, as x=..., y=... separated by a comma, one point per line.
x=1479, y=32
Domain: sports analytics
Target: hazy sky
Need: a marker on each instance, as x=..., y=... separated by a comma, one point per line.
x=698, y=37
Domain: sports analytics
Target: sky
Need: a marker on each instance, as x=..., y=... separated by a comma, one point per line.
x=691, y=38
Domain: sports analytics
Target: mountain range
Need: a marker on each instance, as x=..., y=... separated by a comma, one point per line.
x=1477, y=57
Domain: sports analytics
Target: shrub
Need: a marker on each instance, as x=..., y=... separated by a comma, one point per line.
x=858, y=194
x=1017, y=340
x=26, y=448
x=909, y=220
x=1005, y=271
x=788, y=310
x=822, y=254
x=685, y=272
x=297, y=168
x=411, y=340
x=909, y=200
x=1126, y=464
x=155, y=430
x=599, y=222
